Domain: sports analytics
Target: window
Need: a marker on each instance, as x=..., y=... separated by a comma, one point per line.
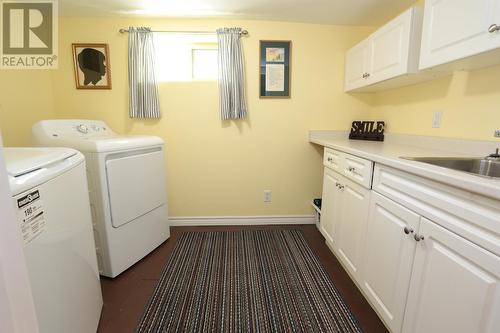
x=184, y=57
x=204, y=64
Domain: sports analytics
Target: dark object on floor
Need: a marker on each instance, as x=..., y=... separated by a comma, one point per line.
x=317, y=203
x=245, y=281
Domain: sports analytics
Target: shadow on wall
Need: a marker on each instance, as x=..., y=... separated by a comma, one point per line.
x=483, y=82
x=240, y=124
x=365, y=98
x=319, y=150
x=147, y=123
x=420, y=93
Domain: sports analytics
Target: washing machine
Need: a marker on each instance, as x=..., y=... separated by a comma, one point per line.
x=126, y=178
x=50, y=196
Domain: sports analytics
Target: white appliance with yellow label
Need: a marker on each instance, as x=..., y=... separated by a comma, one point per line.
x=50, y=196
x=126, y=176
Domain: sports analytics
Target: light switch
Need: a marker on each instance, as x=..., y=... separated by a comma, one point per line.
x=437, y=116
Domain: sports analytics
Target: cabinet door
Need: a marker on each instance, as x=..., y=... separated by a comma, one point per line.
x=388, y=258
x=455, y=285
x=330, y=205
x=356, y=66
x=455, y=29
x=351, y=227
x=390, y=46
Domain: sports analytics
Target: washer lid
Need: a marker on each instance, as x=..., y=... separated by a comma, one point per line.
x=21, y=161
x=30, y=167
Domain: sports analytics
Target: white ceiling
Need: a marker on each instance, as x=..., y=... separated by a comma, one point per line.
x=342, y=12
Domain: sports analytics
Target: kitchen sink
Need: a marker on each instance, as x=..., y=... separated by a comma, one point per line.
x=489, y=167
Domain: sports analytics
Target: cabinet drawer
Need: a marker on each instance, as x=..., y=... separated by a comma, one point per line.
x=358, y=169
x=352, y=167
x=469, y=215
x=332, y=159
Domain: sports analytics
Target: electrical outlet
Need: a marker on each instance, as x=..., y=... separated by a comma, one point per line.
x=497, y=133
x=436, y=119
x=267, y=195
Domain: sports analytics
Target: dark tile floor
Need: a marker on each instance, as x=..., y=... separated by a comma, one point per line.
x=126, y=295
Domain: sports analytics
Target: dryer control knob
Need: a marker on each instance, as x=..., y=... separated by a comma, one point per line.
x=82, y=129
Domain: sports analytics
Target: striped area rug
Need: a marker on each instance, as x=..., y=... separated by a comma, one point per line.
x=245, y=281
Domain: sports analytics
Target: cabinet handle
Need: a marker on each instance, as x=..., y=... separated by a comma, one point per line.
x=408, y=230
x=351, y=169
x=329, y=159
x=366, y=75
x=493, y=28
x=418, y=237
x=341, y=187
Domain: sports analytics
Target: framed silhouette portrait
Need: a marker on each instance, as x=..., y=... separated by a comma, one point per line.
x=91, y=66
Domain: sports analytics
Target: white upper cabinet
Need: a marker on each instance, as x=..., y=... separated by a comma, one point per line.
x=356, y=65
x=390, y=49
x=456, y=29
x=390, y=52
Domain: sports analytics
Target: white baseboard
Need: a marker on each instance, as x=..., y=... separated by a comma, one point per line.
x=240, y=220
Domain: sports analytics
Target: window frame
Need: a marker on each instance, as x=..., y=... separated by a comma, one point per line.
x=202, y=47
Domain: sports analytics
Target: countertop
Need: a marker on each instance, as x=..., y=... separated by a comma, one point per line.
x=390, y=151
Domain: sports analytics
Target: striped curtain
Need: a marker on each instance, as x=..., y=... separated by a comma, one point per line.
x=232, y=101
x=143, y=95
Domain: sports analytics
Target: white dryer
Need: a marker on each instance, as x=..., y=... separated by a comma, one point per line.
x=51, y=198
x=127, y=185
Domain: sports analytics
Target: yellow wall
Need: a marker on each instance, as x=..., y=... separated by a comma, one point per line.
x=25, y=98
x=222, y=168
x=469, y=100
x=219, y=168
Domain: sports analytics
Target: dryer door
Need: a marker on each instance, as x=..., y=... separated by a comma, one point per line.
x=136, y=184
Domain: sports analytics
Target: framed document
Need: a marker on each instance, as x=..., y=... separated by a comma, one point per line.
x=275, y=68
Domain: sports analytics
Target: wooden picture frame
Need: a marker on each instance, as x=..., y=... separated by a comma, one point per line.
x=274, y=68
x=91, y=66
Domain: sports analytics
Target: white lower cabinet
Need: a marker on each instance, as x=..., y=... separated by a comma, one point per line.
x=455, y=285
x=353, y=214
x=388, y=258
x=344, y=213
x=419, y=275
x=329, y=205
x=423, y=278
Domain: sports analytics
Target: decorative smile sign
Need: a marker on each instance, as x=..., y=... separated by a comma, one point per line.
x=367, y=130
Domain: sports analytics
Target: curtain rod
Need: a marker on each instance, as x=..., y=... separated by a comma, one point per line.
x=243, y=32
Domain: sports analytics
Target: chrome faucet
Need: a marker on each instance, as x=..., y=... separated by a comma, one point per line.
x=494, y=156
